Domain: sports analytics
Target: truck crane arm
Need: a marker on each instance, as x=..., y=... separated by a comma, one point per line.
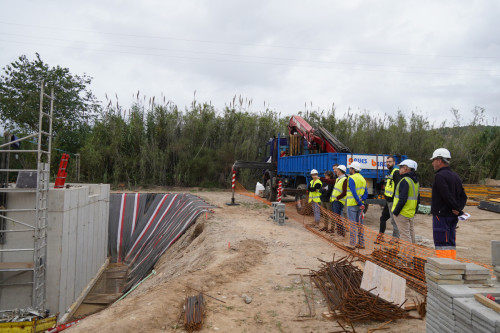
x=322, y=138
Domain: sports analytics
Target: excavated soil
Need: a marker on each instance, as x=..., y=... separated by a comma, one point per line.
x=239, y=250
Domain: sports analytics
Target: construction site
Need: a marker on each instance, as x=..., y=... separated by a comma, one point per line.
x=83, y=257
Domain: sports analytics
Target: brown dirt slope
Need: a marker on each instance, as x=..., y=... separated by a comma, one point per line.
x=238, y=251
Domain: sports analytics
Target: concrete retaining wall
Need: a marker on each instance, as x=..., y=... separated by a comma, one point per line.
x=77, y=244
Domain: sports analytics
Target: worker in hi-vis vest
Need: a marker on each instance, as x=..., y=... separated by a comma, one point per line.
x=339, y=196
x=406, y=200
x=357, y=192
x=314, y=195
x=391, y=181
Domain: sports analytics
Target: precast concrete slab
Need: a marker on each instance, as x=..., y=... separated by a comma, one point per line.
x=446, y=263
x=486, y=315
x=442, y=271
x=471, y=268
x=482, y=276
x=444, y=281
x=455, y=291
x=468, y=304
x=480, y=328
x=495, y=252
x=436, y=275
x=432, y=327
x=462, y=315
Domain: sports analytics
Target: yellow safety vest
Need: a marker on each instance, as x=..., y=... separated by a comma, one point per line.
x=314, y=196
x=339, y=183
x=411, y=204
x=360, y=183
x=389, y=185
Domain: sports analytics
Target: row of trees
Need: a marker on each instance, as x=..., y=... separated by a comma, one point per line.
x=154, y=143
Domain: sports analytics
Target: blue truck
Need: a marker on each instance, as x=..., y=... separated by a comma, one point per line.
x=291, y=159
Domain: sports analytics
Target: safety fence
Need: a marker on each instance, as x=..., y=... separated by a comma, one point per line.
x=398, y=256
x=474, y=192
x=142, y=226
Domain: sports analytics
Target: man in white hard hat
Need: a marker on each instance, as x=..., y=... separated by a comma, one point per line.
x=339, y=196
x=448, y=201
x=357, y=192
x=406, y=200
x=314, y=195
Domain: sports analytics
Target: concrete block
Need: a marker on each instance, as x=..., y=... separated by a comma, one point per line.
x=446, y=263
x=467, y=304
x=431, y=327
x=445, y=281
x=477, y=276
x=440, y=276
x=480, y=328
x=443, y=271
x=495, y=252
x=457, y=291
x=476, y=282
x=462, y=316
x=485, y=315
x=471, y=269
x=496, y=269
x=463, y=327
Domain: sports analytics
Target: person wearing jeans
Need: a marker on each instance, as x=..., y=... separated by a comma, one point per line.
x=406, y=200
x=314, y=195
x=356, y=194
x=338, y=197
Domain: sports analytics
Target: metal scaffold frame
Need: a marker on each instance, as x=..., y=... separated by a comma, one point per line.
x=39, y=226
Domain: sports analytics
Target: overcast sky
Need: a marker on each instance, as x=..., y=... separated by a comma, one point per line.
x=380, y=56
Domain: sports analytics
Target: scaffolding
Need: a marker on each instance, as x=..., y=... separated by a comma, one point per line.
x=37, y=227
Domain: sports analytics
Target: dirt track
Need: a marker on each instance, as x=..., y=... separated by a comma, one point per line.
x=239, y=250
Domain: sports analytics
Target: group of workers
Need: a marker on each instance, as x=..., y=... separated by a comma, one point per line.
x=338, y=190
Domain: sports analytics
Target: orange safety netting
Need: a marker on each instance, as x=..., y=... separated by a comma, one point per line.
x=401, y=257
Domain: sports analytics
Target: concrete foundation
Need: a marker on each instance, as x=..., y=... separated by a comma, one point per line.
x=77, y=237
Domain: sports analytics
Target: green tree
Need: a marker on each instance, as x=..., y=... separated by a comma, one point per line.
x=75, y=104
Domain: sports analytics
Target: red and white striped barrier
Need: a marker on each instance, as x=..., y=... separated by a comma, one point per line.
x=233, y=180
x=280, y=190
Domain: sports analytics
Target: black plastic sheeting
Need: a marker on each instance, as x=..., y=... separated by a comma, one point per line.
x=142, y=226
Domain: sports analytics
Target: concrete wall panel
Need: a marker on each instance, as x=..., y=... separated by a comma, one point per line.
x=77, y=244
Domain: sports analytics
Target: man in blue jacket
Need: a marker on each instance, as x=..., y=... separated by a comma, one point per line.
x=448, y=201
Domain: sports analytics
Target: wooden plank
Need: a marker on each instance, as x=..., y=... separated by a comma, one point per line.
x=15, y=265
x=388, y=285
x=72, y=309
x=487, y=302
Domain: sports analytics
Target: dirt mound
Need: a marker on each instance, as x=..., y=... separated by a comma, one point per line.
x=192, y=262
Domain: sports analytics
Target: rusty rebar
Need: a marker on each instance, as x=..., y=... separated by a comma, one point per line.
x=340, y=283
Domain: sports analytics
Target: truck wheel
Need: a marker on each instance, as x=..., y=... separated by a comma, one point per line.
x=303, y=207
x=269, y=192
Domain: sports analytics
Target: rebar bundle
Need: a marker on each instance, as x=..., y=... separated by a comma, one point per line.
x=340, y=283
x=194, y=310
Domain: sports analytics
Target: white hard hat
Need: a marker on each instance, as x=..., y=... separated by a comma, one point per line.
x=410, y=164
x=342, y=167
x=441, y=152
x=314, y=172
x=355, y=165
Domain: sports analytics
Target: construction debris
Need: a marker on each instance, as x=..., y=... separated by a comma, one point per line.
x=340, y=283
